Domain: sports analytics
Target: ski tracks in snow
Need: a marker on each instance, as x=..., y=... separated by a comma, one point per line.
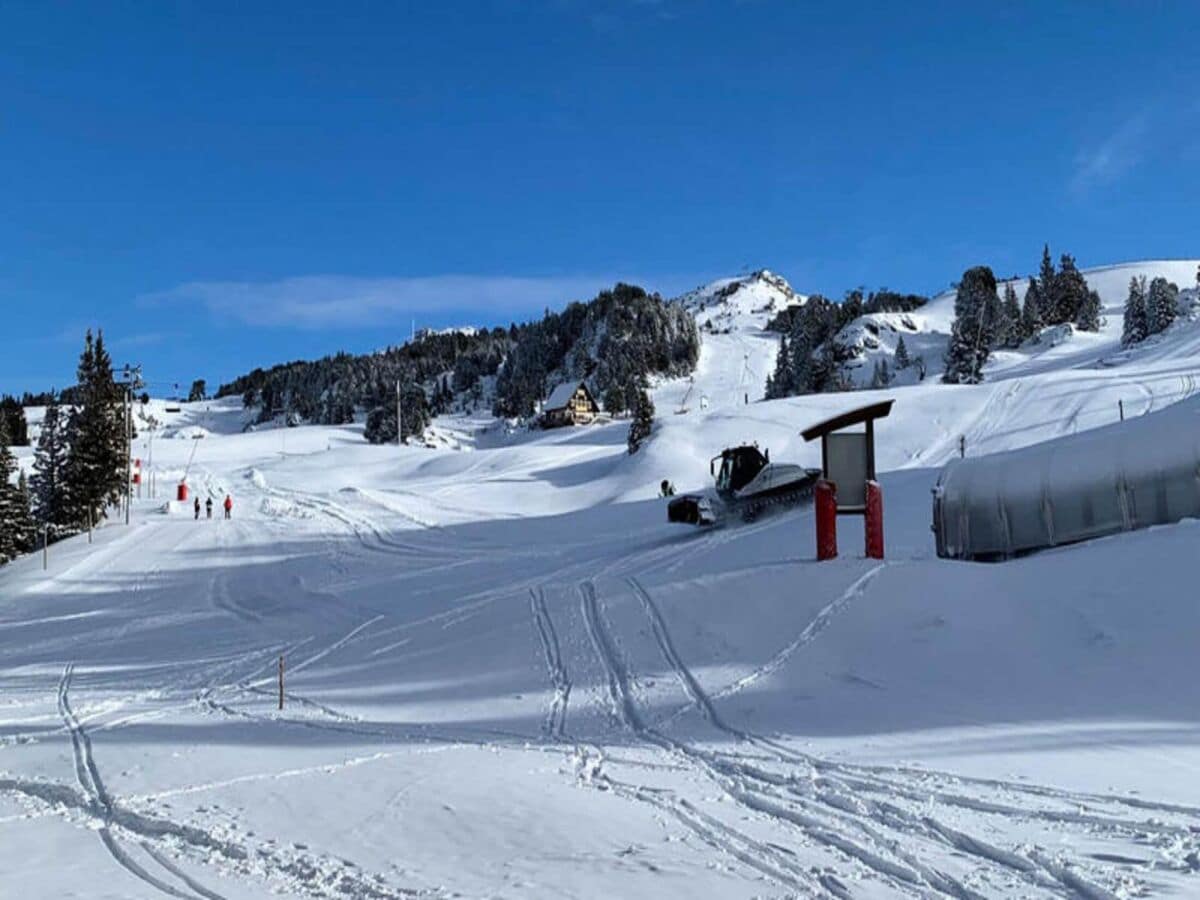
x=88, y=776
x=884, y=820
x=290, y=871
x=556, y=714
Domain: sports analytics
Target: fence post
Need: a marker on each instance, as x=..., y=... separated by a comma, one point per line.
x=1121, y=409
x=281, y=681
x=826, y=507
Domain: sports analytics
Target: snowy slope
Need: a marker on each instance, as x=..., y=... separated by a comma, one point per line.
x=507, y=676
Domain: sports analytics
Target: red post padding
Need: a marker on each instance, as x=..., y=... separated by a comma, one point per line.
x=825, y=501
x=874, y=520
x=181, y=492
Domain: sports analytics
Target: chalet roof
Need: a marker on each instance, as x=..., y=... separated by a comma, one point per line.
x=562, y=394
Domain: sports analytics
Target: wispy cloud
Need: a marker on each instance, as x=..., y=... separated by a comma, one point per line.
x=1117, y=154
x=330, y=301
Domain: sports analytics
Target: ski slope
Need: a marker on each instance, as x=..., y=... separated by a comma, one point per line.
x=507, y=676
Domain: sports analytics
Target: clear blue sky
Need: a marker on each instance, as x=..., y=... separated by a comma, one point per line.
x=222, y=185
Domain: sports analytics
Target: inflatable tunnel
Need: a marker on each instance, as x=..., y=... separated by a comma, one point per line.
x=1132, y=474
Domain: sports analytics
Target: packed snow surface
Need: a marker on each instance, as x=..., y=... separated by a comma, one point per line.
x=507, y=676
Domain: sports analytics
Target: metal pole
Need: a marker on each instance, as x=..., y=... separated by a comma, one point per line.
x=89, y=524
x=1121, y=409
x=399, y=417
x=45, y=547
x=281, y=681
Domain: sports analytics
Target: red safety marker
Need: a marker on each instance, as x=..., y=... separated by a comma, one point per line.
x=825, y=501
x=874, y=520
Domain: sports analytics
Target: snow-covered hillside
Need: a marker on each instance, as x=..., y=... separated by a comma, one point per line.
x=508, y=676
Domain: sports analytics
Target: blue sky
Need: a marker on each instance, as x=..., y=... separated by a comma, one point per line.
x=224, y=185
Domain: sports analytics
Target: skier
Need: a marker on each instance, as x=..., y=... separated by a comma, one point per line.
x=667, y=489
x=228, y=506
x=196, y=507
x=208, y=507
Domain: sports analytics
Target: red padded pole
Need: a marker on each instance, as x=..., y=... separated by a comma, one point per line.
x=825, y=501
x=874, y=520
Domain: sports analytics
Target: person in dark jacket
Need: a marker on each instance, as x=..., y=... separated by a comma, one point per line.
x=208, y=507
x=196, y=507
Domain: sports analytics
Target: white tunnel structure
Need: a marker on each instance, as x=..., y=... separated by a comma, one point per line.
x=1132, y=474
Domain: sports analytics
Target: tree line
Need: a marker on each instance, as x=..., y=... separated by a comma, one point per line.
x=80, y=463
x=984, y=322
x=1150, y=309
x=615, y=342
x=812, y=353
x=431, y=371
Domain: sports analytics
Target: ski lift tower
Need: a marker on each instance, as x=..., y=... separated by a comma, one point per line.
x=848, y=486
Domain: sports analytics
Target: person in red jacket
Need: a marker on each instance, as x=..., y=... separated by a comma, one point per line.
x=228, y=506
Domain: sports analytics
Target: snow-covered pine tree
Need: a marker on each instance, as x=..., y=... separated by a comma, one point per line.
x=13, y=413
x=779, y=382
x=49, y=486
x=614, y=399
x=1088, y=317
x=1031, y=311
x=1072, y=291
x=9, y=500
x=1135, y=326
x=1161, y=305
x=976, y=306
x=902, y=360
x=1009, y=332
x=26, y=528
x=1048, y=290
x=96, y=465
x=882, y=375
x=643, y=420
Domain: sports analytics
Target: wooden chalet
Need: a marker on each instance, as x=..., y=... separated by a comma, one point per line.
x=571, y=403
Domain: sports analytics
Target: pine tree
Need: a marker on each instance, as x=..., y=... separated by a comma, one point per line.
x=1135, y=326
x=882, y=375
x=1031, y=311
x=26, y=528
x=902, y=360
x=13, y=413
x=614, y=399
x=96, y=462
x=778, y=381
x=1048, y=290
x=1009, y=332
x=49, y=487
x=643, y=420
x=1161, y=305
x=1088, y=316
x=10, y=519
x=973, y=333
x=1072, y=292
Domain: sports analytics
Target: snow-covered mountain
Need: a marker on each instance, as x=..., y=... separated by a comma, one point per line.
x=490, y=642
x=741, y=302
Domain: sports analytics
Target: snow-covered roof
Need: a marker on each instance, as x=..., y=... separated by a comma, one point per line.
x=561, y=395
